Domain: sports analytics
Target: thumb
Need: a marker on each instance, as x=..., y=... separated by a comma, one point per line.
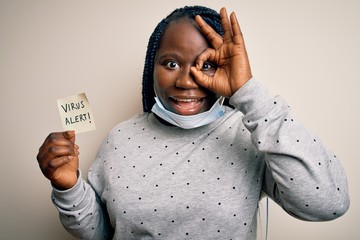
x=70, y=135
x=201, y=78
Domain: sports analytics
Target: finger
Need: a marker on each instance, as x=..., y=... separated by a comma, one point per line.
x=57, y=144
x=215, y=39
x=208, y=54
x=235, y=26
x=76, y=149
x=55, y=152
x=60, y=138
x=225, y=25
x=69, y=135
x=58, y=162
x=201, y=78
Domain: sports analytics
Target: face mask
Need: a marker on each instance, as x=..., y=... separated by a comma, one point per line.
x=191, y=121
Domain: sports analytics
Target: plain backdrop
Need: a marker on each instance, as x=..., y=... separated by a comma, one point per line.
x=306, y=51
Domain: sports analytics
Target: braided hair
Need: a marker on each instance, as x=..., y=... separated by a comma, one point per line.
x=210, y=16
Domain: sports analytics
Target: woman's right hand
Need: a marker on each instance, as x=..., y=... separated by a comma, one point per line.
x=58, y=159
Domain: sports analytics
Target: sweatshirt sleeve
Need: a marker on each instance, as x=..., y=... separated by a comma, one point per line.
x=81, y=212
x=302, y=176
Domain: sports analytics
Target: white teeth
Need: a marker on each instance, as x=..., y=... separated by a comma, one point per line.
x=187, y=100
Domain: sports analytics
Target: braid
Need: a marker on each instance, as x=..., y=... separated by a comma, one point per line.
x=210, y=16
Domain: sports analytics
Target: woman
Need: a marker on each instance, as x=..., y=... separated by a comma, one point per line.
x=190, y=167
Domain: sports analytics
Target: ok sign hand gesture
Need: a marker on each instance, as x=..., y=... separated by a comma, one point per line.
x=228, y=53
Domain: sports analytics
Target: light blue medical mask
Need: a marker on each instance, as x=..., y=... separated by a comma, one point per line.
x=190, y=121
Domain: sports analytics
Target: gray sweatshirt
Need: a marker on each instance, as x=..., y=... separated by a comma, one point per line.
x=153, y=181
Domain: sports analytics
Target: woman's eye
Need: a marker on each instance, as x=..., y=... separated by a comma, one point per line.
x=172, y=65
x=208, y=66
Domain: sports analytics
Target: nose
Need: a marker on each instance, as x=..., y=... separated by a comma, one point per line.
x=186, y=80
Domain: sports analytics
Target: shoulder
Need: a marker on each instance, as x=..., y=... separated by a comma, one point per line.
x=138, y=119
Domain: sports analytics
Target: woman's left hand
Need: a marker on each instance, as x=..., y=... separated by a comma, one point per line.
x=228, y=53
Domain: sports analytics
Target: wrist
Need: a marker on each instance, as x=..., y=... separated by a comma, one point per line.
x=67, y=183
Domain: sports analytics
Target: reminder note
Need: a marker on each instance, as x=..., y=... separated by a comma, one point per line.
x=76, y=114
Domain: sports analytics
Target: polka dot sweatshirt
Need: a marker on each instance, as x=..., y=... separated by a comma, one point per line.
x=153, y=181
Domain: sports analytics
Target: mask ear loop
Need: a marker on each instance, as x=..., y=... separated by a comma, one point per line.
x=154, y=90
x=221, y=100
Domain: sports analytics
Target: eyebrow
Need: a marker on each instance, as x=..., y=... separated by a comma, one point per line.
x=167, y=55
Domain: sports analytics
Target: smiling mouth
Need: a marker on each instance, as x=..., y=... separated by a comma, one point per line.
x=187, y=106
x=187, y=103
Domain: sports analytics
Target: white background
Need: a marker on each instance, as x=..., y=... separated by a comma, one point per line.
x=307, y=51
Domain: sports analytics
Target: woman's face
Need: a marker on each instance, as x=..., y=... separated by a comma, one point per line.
x=174, y=84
